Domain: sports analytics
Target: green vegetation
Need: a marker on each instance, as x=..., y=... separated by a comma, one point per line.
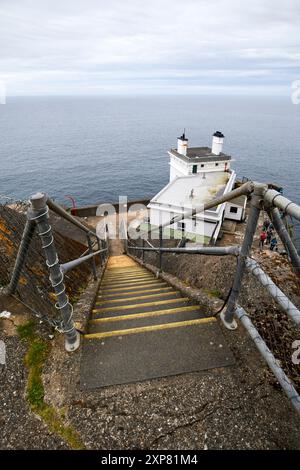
x=37, y=353
x=213, y=293
x=26, y=331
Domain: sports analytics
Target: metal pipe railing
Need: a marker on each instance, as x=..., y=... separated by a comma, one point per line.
x=227, y=316
x=280, y=375
x=21, y=257
x=39, y=213
x=277, y=294
x=274, y=198
x=205, y=250
x=93, y=262
x=78, y=261
x=65, y=215
x=280, y=228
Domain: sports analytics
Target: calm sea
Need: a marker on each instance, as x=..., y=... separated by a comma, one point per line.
x=97, y=148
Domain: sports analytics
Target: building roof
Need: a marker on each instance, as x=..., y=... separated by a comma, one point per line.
x=200, y=155
x=192, y=191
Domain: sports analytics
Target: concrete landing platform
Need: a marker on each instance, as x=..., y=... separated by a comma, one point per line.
x=143, y=356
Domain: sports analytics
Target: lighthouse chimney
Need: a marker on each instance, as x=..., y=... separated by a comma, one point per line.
x=217, y=143
x=182, y=144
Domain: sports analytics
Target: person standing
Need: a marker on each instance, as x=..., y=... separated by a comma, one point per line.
x=273, y=244
x=262, y=239
x=266, y=225
x=269, y=235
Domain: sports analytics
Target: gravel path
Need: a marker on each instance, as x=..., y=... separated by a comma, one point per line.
x=20, y=428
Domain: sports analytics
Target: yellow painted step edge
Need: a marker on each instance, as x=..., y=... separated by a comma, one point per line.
x=149, y=296
x=153, y=313
x=134, y=292
x=125, y=289
x=127, y=273
x=126, y=278
x=113, y=272
x=147, y=304
x=125, y=281
x=124, y=268
x=145, y=329
x=125, y=284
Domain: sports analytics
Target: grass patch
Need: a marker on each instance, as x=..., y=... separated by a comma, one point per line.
x=213, y=293
x=38, y=350
x=26, y=331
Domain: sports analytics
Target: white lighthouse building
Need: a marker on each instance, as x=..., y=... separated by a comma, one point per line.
x=186, y=161
x=197, y=175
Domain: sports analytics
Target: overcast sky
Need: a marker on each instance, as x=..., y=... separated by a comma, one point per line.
x=154, y=46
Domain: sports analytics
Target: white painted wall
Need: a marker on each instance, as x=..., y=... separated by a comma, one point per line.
x=209, y=166
x=232, y=215
x=180, y=168
x=158, y=217
x=182, y=145
x=217, y=145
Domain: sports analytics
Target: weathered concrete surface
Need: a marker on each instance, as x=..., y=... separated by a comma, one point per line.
x=20, y=428
x=240, y=407
x=236, y=408
x=143, y=356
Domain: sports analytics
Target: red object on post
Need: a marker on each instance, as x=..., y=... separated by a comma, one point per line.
x=73, y=210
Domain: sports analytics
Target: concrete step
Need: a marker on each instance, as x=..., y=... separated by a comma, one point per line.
x=149, y=328
x=127, y=358
x=137, y=298
x=142, y=328
x=142, y=272
x=141, y=282
x=146, y=285
x=99, y=312
x=123, y=322
x=123, y=295
x=120, y=282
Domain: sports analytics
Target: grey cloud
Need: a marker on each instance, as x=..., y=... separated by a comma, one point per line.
x=86, y=46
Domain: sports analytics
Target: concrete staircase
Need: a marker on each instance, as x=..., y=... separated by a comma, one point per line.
x=142, y=328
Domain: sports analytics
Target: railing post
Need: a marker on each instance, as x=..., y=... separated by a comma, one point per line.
x=93, y=262
x=39, y=214
x=256, y=205
x=160, y=246
x=99, y=248
x=125, y=246
x=285, y=238
x=21, y=256
x=143, y=251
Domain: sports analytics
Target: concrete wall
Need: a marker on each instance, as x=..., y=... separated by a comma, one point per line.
x=158, y=217
x=87, y=211
x=180, y=168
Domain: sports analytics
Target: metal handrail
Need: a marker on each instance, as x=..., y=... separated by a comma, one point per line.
x=78, y=261
x=64, y=214
x=205, y=250
x=274, y=198
x=271, y=200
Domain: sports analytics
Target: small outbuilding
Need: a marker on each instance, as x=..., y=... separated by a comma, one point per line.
x=236, y=209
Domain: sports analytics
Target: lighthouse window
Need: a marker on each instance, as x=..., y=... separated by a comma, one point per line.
x=217, y=164
x=195, y=167
x=233, y=210
x=202, y=165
